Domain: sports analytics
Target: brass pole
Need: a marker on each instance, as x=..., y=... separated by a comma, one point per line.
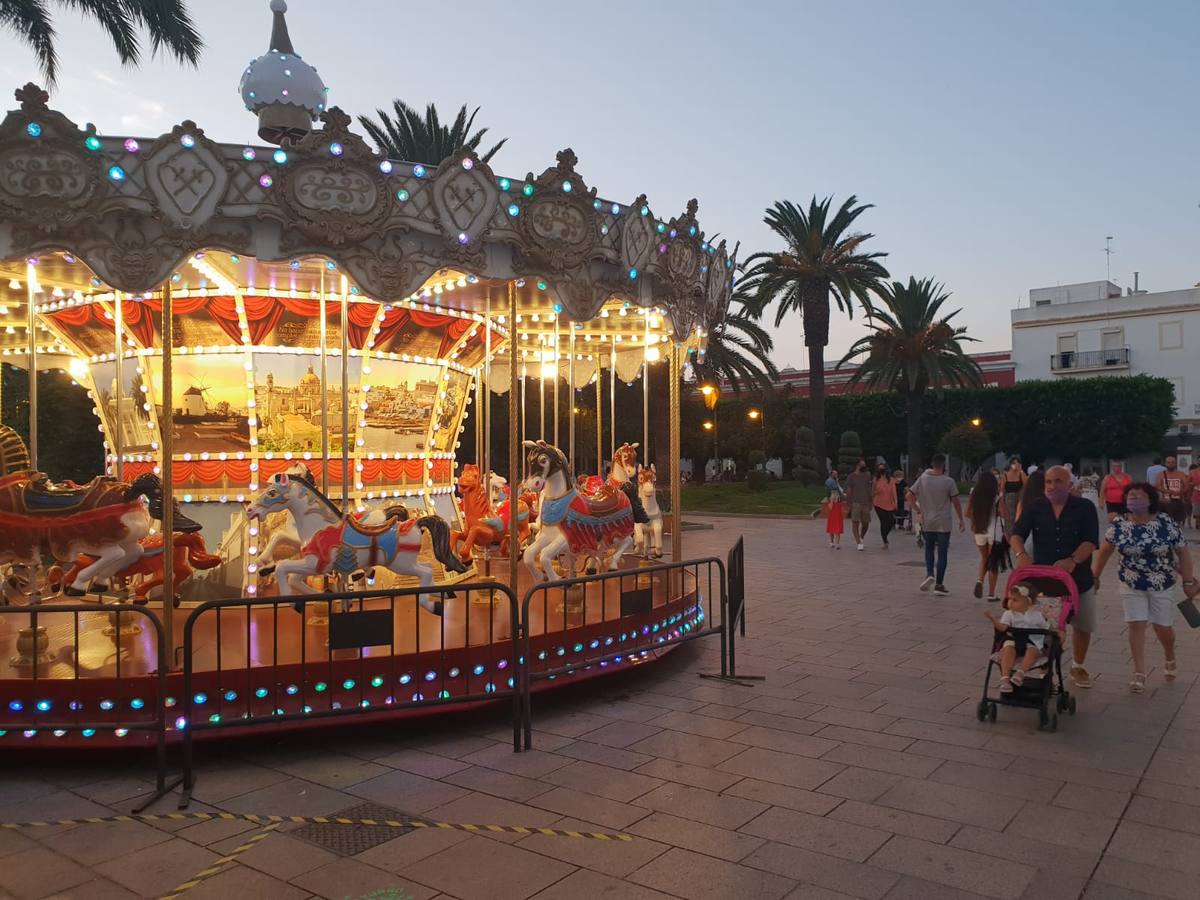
x=514, y=546
x=557, y=373
x=118, y=436
x=646, y=392
x=346, y=508
x=167, y=421
x=571, y=398
x=485, y=471
x=612, y=401
x=524, y=416
x=31, y=328
x=542, y=395
x=600, y=419
x=324, y=393
x=675, y=454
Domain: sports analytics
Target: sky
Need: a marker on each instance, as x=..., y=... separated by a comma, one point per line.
x=1000, y=143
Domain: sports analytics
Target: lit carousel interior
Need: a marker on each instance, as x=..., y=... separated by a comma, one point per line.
x=297, y=339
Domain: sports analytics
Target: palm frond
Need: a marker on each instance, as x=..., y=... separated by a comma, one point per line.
x=410, y=136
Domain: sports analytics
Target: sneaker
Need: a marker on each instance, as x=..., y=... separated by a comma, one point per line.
x=860, y=546
x=927, y=583
x=1080, y=676
x=1018, y=677
x=992, y=598
x=886, y=545
x=978, y=589
x=1006, y=686
x=940, y=589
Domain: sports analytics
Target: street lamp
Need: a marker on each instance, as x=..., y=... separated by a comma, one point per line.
x=976, y=422
x=712, y=394
x=708, y=426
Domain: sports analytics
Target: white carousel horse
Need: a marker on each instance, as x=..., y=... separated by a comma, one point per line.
x=333, y=543
x=648, y=536
x=572, y=522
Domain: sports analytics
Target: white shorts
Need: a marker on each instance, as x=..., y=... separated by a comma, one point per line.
x=982, y=540
x=1157, y=607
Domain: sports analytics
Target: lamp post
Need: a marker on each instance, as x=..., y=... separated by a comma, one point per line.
x=756, y=415
x=712, y=394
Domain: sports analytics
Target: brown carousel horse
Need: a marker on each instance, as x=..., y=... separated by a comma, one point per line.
x=485, y=525
x=104, y=519
x=188, y=552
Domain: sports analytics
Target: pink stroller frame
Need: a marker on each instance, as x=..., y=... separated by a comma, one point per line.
x=1044, y=688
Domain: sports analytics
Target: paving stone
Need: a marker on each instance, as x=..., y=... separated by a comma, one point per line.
x=530, y=764
x=943, y=801
x=431, y=765
x=354, y=878
x=783, y=768
x=682, y=773
x=955, y=868
x=479, y=869
x=155, y=870
x=1092, y=800
x=782, y=795
x=239, y=881
x=404, y=790
x=832, y=873
x=603, y=781
x=882, y=760
x=785, y=741
x=699, y=877
x=1026, y=848
x=279, y=855
x=722, y=810
x=620, y=734
x=688, y=748
x=607, y=813
x=498, y=784
x=1164, y=814
x=612, y=757
x=1121, y=878
x=897, y=822
x=96, y=843
x=38, y=872
x=617, y=858
x=908, y=888
x=586, y=885
x=866, y=738
x=696, y=836
x=816, y=833
x=1152, y=846
x=854, y=783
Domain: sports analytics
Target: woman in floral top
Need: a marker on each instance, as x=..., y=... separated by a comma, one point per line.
x=1150, y=548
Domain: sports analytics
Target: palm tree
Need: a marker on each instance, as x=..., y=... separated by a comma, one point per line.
x=910, y=350
x=822, y=258
x=166, y=20
x=738, y=350
x=408, y=136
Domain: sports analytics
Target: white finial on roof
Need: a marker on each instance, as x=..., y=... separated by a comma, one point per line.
x=284, y=91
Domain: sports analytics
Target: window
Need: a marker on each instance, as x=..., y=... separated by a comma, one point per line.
x=1170, y=335
x=1067, y=343
x=1112, y=339
x=1041, y=303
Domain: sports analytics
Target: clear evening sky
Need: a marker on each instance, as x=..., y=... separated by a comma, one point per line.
x=999, y=142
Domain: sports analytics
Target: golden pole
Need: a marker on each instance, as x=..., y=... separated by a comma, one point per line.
x=542, y=395
x=514, y=545
x=676, y=452
x=324, y=393
x=612, y=401
x=485, y=472
x=31, y=329
x=646, y=391
x=571, y=399
x=346, y=507
x=599, y=419
x=557, y=373
x=118, y=434
x=167, y=421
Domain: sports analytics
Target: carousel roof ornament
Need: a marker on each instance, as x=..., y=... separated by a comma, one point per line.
x=284, y=91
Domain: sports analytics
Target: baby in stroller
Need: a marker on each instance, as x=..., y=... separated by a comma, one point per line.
x=1027, y=645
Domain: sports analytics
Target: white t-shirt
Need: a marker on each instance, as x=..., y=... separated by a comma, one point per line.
x=1031, y=618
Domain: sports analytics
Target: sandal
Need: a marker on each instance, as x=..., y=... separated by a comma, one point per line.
x=1170, y=670
x=1006, y=686
x=1018, y=677
x=1138, y=684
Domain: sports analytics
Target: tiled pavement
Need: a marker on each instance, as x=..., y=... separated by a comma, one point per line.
x=856, y=769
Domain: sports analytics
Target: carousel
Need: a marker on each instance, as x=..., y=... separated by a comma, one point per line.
x=287, y=346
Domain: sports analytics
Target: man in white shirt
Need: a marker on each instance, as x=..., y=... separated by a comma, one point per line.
x=932, y=496
x=1154, y=471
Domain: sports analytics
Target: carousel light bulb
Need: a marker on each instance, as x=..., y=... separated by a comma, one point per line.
x=14, y=284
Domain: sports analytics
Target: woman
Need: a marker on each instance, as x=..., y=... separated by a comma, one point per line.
x=1112, y=489
x=1014, y=480
x=1150, y=547
x=883, y=496
x=983, y=511
x=835, y=510
x=1035, y=486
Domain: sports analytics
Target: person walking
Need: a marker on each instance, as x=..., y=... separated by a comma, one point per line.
x=1035, y=486
x=1112, y=489
x=1154, y=470
x=932, y=496
x=1195, y=476
x=1150, y=546
x=1066, y=532
x=983, y=512
x=902, y=515
x=884, y=499
x=835, y=511
x=1014, y=481
x=1174, y=488
x=859, y=492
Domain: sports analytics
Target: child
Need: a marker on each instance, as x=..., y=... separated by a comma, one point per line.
x=1020, y=614
x=835, y=511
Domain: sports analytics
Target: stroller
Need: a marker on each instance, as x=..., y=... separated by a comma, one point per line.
x=1043, y=688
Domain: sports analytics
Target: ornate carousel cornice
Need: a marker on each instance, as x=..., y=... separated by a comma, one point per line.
x=135, y=209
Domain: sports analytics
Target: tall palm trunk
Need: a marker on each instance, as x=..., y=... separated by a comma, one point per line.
x=914, y=403
x=816, y=337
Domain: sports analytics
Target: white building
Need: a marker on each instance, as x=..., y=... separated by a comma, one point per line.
x=1082, y=330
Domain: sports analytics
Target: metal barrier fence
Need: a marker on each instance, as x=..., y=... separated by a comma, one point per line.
x=103, y=694
x=238, y=673
x=736, y=573
x=585, y=608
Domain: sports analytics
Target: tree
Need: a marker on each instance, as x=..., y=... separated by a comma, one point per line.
x=821, y=259
x=850, y=451
x=911, y=350
x=168, y=22
x=806, y=459
x=739, y=350
x=408, y=136
x=69, y=444
x=967, y=442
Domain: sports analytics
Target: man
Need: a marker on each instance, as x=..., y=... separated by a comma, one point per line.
x=932, y=496
x=1173, y=485
x=1066, y=532
x=860, y=490
x=1153, y=471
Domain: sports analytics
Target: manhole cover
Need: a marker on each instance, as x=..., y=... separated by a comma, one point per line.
x=350, y=840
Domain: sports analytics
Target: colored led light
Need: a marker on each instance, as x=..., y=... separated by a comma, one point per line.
x=320, y=687
x=200, y=699
x=479, y=669
x=385, y=167
x=16, y=705
x=249, y=153
x=88, y=732
x=280, y=157
x=292, y=690
x=187, y=141
x=92, y=143
x=527, y=190
x=505, y=184
x=137, y=703
x=377, y=681
x=348, y=684
x=514, y=210
x=231, y=696
x=260, y=693
x=430, y=676
x=116, y=173
x=419, y=171
x=336, y=149
x=266, y=180
x=33, y=129
x=402, y=195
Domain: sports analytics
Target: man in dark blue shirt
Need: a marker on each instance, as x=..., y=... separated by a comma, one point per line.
x=1066, y=532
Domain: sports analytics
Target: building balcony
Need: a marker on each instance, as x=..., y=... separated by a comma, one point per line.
x=1090, y=360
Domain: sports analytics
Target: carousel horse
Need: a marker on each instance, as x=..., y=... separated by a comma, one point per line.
x=104, y=519
x=573, y=522
x=188, y=552
x=486, y=524
x=333, y=543
x=648, y=537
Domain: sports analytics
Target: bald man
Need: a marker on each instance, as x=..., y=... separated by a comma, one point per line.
x=1066, y=532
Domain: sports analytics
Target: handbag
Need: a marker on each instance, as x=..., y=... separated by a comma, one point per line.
x=1191, y=613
